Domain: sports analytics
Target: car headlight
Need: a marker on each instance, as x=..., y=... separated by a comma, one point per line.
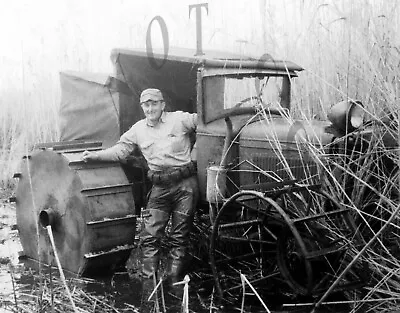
x=346, y=116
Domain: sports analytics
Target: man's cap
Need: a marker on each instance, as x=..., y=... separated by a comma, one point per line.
x=151, y=94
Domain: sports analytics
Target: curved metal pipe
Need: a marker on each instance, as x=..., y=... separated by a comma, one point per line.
x=47, y=217
x=227, y=142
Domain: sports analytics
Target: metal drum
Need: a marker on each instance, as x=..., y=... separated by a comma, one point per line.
x=89, y=206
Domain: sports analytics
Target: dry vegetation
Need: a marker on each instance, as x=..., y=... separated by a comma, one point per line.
x=356, y=55
x=349, y=50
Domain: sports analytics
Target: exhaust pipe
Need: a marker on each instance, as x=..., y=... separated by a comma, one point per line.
x=47, y=217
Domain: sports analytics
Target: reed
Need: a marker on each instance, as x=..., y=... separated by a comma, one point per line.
x=47, y=293
x=349, y=50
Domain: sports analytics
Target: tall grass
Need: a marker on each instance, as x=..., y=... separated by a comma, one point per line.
x=350, y=49
x=352, y=54
x=356, y=55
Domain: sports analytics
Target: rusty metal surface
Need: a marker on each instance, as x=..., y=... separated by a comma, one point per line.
x=93, y=208
x=270, y=145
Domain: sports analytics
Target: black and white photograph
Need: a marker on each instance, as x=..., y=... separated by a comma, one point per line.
x=200, y=156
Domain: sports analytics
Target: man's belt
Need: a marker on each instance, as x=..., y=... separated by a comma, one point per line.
x=172, y=175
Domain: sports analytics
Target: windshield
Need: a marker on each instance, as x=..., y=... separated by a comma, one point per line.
x=252, y=91
x=223, y=93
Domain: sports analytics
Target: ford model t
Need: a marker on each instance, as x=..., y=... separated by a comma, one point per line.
x=260, y=172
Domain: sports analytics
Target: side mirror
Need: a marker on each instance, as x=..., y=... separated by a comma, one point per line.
x=346, y=116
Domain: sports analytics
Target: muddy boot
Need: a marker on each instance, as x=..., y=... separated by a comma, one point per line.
x=148, y=301
x=150, y=267
x=149, y=282
x=175, y=275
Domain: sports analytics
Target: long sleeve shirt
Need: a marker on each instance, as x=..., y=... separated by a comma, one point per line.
x=164, y=145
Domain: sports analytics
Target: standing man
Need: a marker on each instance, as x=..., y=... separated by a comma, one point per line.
x=163, y=138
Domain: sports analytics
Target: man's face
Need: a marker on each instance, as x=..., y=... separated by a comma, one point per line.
x=153, y=109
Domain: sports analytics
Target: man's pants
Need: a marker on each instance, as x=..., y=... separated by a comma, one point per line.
x=178, y=202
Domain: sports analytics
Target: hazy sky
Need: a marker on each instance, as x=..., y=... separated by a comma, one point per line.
x=40, y=38
x=76, y=33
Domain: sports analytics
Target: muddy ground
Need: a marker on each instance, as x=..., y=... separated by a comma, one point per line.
x=14, y=269
x=10, y=246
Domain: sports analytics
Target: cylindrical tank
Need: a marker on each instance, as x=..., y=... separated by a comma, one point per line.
x=90, y=207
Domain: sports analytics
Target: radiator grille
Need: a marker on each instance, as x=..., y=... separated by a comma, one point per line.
x=300, y=168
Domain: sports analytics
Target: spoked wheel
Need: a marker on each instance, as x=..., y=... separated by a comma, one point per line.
x=294, y=237
x=301, y=265
x=244, y=241
x=311, y=248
